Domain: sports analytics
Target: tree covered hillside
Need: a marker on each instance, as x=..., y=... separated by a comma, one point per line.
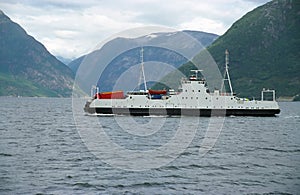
x=264, y=48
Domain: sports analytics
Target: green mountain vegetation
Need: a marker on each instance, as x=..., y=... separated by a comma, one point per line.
x=27, y=68
x=264, y=48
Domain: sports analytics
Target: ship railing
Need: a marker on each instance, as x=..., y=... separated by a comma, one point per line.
x=188, y=81
x=217, y=93
x=137, y=92
x=267, y=91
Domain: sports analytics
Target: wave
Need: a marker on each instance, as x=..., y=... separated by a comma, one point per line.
x=4, y=154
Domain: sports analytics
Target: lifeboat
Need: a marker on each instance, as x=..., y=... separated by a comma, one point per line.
x=110, y=95
x=157, y=92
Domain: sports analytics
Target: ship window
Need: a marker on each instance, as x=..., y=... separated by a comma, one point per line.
x=193, y=90
x=182, y=97
x=130, y=97
x=231, y=98
x=206, y=98
x=186, y=97
x=199, y=90
x=217, y=98
x=186, y=90
x=196, y=97
x=191, y=98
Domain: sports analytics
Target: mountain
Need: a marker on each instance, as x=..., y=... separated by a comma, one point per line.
x=27, y=68
x=120, y=55
x=64, y=60
x=264, y=48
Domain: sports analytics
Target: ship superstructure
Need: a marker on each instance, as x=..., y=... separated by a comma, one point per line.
x=193, y=99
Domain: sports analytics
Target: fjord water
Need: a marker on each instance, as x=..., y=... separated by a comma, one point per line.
x=41, y=152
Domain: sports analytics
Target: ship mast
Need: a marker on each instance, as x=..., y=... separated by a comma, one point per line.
x=226, y=74
x=142, y=73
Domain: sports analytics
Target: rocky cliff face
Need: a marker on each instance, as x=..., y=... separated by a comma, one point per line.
x=27, y=68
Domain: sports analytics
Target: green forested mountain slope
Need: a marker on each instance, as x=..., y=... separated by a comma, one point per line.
x=27, y=68
x=264, y=48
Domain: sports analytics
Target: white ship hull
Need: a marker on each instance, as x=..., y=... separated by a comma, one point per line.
x=193, y=100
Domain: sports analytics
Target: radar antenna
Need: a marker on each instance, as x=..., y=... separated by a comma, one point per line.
x=196, y=73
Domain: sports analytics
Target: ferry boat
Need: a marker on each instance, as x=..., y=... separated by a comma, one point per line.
x=192, y=99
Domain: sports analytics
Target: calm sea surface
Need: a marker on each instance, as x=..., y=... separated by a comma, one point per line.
x=42, y=152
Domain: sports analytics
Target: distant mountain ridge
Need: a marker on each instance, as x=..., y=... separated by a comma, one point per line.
x=264, y=47
x=27, y=68
x=157, y=48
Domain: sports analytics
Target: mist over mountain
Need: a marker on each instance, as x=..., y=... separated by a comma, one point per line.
x=64, y=60
x=27, y=68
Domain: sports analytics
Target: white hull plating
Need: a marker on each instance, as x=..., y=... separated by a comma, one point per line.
x=194, y=99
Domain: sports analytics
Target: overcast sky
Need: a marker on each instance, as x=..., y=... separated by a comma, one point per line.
x=70, y=28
